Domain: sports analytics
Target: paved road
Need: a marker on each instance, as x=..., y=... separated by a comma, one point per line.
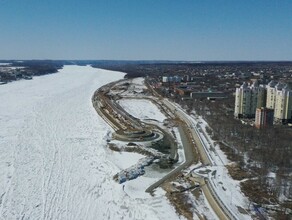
x=219, y=208
x=189, y=149
x=203, y=155
x=189, y=159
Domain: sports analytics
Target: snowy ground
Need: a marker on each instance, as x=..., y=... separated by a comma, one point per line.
x=227, y=189
x=138, y=84
x=142, y=109
x=135, y=88
x=54, y=163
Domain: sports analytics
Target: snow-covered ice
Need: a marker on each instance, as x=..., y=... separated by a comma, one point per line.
x=54, y=163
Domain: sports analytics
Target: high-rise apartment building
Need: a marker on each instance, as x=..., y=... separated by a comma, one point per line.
x=283, y=104
x=276, y=96
x=279, y=98
x=271, y=95
x=248, y=98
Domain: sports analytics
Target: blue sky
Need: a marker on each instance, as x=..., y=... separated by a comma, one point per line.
x=193, y=30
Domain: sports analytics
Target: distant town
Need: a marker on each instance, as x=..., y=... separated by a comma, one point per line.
x=12, y=70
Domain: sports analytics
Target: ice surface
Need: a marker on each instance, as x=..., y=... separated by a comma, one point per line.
x=54, y=163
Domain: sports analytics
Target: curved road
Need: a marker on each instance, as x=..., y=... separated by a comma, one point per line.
x=189, y=159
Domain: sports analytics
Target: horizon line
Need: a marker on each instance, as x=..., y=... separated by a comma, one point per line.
x=146, y=60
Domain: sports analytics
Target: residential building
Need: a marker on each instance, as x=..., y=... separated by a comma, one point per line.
x=261, y=96
x=283, y=104
x=248, y=98
x=171, y=79
x=276, y=96
x=264, y=117
x=208, y=94
x=271, y=95
x=165, y=79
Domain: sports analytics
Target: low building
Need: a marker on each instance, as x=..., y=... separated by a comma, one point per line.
x=208, y=95
x=171, y=79
x=184, y=91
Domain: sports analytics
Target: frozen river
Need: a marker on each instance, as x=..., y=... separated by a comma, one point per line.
x=54, y=163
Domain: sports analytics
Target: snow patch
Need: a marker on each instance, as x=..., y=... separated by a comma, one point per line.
x=142, y=109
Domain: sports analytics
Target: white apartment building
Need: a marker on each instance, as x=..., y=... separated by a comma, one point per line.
x=248, y=98
x=276, y=96
x=283, y=104
x=279, y=98
x=271, y=95
x=166, y=79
